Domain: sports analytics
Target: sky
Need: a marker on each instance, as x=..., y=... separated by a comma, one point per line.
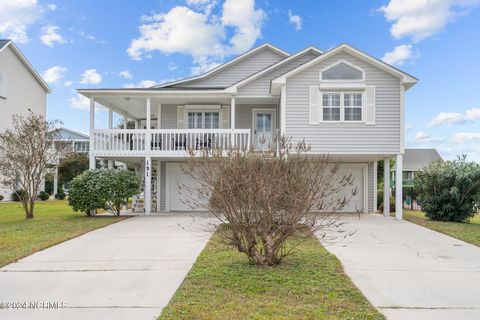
x=102, y=44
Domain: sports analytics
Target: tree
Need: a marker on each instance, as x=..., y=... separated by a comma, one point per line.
x=71, y=166
x=449, y=191
x=25, y=153
x=119, y=186
x=267, y=197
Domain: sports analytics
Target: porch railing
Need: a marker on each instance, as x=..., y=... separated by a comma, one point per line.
x=166, y=142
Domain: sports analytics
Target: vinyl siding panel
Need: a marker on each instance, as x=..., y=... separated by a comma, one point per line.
x=237, y=71
x=383, y=137
x=261, y=86
x=169, y=116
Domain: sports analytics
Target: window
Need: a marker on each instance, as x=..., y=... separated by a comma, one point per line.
x=342, y=71
x=331, y=106
x=203, y=120
x=407, y=175
x=353, y=106
x=350, y=102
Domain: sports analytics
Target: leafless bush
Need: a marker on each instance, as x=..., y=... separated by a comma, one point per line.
x=267, y=197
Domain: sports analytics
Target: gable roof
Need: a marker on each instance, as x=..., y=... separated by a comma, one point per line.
x=83, y=135
x=9, y=43
x=417, y=159
x=274, y=66
x=407, y=80
x=227, y=64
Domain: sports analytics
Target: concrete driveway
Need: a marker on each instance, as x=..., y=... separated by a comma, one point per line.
x=128, y=270
x=410, y=272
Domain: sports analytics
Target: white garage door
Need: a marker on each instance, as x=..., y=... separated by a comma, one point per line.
x=175, y=198
x=356, y=203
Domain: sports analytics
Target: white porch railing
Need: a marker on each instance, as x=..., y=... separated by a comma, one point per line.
x=166, y=142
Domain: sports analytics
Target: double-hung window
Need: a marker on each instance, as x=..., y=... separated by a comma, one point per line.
x=342, y=106
x=203, y=120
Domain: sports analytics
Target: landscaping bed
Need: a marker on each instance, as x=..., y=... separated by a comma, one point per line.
x=310, y=284
x=54, y=222
x=466, y=231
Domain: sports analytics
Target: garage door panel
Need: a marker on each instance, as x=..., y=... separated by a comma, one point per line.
x=176, y=199
x=356, y=202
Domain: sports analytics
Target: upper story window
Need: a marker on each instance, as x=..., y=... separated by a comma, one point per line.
x=342, y=106
x=342, y=71
x=203, y=120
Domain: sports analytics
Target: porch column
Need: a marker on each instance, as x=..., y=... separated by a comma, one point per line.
x=92, y=126
x=232, y=121
x=159, y=116
x=149, y=125
x=399, y=187
x=125, y=121
x=147, y=191
x=375, y=186
x=110, y=126
x=55, y=181
x=159, y=176
x=386, y=187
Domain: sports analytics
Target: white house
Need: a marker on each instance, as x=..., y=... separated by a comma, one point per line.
x=343, y=102
x=21, y=89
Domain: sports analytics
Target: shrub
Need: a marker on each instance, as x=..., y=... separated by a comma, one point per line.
x=102, y=189
x=43, y=195
x=49, y=183
x=60, y=195
x=1, y=197
x=86, y=193
x=450, y=190
x=18, y=194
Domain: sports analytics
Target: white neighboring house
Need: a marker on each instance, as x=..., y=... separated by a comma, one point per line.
x=343, y=102
x=21, y=89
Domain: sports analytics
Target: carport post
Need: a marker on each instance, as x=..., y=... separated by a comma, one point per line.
x=386, y=187
x=92, y=163
x=147, y=192
x=399, y=187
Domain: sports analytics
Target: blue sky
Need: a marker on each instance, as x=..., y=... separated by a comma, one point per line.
x=93, y=44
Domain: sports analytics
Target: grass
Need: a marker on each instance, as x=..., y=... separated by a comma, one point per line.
x=53, y=223
x=466, y=231
x=310, y=284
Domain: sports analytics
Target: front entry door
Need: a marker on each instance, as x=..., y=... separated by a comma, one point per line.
x=263, y=126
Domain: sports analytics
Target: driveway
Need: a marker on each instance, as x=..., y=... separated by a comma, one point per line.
x=410, y=272
x=128, y=270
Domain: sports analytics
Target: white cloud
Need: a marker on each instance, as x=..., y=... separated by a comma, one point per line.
x=83, y=103
x=296, y=20
x=54, y=74
x=16, y=16
x=125, y=74
x=52, y=7
x=87, y=36
x=422, y=137
x=142, y=84
x=68, y=83
x=465, y=137
x=421, y=19
x=91, y=76
x=452, y=118
x=49, y=35
x=204, y=36
x=399, y=55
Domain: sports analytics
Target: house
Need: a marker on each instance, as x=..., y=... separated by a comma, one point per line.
x=343, y=102
x=414, y=160
x=21, y=89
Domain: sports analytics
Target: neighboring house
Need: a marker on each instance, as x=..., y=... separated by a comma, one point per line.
x=343, y=102
x=21, y=89
x=414, y=160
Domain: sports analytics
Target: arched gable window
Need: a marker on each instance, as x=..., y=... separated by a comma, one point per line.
x=342, y=70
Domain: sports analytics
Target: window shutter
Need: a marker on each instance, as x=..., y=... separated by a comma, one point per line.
x=181, y=117
x=3, y=85
x=314, y=94
x=225, y=123
x=370, y=105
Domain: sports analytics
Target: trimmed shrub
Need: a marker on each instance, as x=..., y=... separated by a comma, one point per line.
x=1, y=197
x=60, y=195
x=450, y=190
x=119, y=186
x=86, y=193
x=17, y=194
x=43, y=195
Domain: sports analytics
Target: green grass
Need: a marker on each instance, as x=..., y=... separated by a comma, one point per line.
x=54, y=222
x=466, y=231
x=308, y=285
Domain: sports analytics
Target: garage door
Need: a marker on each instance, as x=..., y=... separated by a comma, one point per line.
x=175, y=198
x=356, y=203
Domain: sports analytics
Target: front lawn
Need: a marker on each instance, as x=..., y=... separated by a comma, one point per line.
x=308, y=285
x=466, y=231
x=54, y=222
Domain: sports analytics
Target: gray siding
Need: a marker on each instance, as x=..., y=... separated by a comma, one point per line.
x=169, y=116
x=383, y=137
x=237, y=71
x=261, y=86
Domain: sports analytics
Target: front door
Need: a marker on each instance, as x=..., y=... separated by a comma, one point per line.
x=263, y=128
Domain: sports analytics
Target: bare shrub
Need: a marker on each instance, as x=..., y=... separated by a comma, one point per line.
x=267, y=197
